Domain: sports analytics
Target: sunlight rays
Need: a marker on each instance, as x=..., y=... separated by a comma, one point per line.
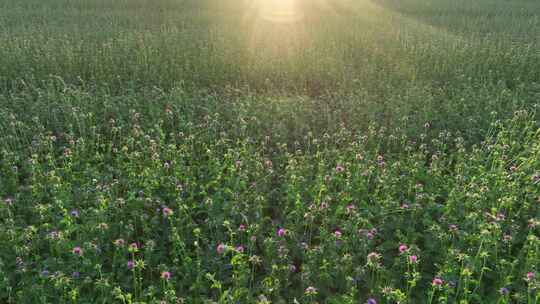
x=279, y=11
x=281, y=34
x=276, y=29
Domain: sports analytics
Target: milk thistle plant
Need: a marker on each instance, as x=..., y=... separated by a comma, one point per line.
x=182, y=151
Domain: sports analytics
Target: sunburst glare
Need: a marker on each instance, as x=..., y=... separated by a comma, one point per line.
x=279, y=11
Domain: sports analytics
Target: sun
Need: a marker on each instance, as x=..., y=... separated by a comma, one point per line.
x=279, y=11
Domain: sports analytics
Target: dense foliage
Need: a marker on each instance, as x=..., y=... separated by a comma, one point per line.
x=181, y=152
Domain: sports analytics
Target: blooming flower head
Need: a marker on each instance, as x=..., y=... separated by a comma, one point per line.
x=369, y=234
x=8, y=201
x=373, y=257
x=337, y=233
x=239, y=248
x=133, y=247
x=311, y=290
x=119, y=242
x=292, y=268
x=242, y=227
x=74, y=213
x=403, y=248
x=77, y=250
x=75, y=274
x=437, y=282
x=504, y=291
x=371, y=301
x=55, y=234
x=165, y=275
x=130, y=264
x=339, y=169
x=530, y=276
x=221, y=248
x=167, y=211
x=281, y=232
x=413, y=259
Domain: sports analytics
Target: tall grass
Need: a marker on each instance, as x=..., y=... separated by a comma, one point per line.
x=179, y=151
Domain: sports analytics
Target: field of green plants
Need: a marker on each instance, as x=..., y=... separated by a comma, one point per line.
x=270, y=151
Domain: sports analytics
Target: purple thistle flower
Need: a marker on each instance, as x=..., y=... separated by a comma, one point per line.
x=119, y=242
x=167, y=211
x=504, y=291
x=221, y=248
x=413, y=259
x=77, y=250
x=281, y=232
x=403, y=248
x=437, y=282
x=530, y=276
x=8, y=201
x=311, y=290
x=133, y=247
x=371, y=301
x=166, y=275
x=130, y=264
